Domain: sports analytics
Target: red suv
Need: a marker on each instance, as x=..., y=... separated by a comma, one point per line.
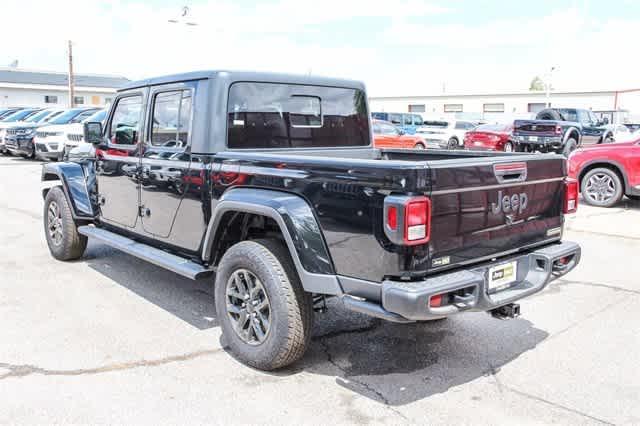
x=607, y=172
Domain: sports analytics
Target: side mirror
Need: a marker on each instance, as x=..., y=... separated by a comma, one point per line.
x=93, y=132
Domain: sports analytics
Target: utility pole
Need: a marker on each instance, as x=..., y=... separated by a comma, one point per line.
x=548, y=87
x=71, y=83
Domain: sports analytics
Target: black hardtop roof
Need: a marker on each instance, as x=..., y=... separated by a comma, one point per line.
x=246, y=76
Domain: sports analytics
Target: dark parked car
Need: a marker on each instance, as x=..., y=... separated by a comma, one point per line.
x=560, y=130
x=284, y=202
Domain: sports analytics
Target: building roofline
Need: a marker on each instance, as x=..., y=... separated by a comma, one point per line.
x=523, y=93
x=84, y=74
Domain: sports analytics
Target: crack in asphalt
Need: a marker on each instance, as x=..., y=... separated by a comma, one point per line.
x=599, y=285
x=21, y=211
x=24, y=370
x=492, y=371
x=322, y=339
x=375, y=323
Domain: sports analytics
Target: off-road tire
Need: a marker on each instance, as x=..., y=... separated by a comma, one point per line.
x=291, y=308
x=617, y=184
x=72, y=244
x=569, y=146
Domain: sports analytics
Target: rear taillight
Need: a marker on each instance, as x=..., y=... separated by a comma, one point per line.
x=407, y=219
x=570, y=196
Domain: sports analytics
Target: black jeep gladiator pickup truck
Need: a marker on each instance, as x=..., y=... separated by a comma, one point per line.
x=269, y=186
x=560, y=130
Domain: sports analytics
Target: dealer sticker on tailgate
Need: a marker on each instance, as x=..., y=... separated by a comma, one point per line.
x=502, y=276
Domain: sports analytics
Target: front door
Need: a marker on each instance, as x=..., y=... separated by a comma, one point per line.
x=166, y=160
x=118, y=161
x=590, y=132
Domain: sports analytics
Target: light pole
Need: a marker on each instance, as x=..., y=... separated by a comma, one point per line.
x=71, y=82
x=548, y=79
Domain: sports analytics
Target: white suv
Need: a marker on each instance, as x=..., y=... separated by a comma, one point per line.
x=51, y=140
x=445, y=133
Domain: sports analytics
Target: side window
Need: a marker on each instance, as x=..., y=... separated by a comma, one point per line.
x=593, y=117
x=171, y=119
x=395, y=118
x=388, y=130
x=460, y=125
x=126, y=120
x=417, y=120
x=407, y=120
x=376, y=128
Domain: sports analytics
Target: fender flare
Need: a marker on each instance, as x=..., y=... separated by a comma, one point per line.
x=74, y=185
x=568, y=132
x=298, y=225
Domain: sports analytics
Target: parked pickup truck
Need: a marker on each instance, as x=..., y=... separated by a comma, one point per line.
x=560, y=130
x=272, y=190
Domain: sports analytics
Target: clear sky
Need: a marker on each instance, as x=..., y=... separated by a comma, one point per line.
x=399, y=47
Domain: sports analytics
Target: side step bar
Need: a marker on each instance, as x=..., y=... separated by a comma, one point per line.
x=177, y=264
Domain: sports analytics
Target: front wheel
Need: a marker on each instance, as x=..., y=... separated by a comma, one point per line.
x=265, y=314
x=418, y=146
x=601, y=187
x=452, y=144
x=63, y=239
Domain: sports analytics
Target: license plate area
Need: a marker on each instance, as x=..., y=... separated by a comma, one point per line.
x=501, y=277
x=533, y=139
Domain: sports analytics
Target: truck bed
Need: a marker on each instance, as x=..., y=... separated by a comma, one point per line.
x=468, y=193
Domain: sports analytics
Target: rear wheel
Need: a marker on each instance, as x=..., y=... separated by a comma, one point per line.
x=265, y=314
x=569, y=146
x=419, y=145
x=63, y=239
x=601, y=187
x=452, y=144
x=508, y=147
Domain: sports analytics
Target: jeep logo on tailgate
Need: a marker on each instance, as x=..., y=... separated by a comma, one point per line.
x=515, y=203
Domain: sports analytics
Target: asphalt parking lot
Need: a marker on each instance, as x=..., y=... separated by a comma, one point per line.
x=110, y=339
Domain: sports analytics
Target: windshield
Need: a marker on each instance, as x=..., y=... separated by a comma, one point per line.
x=38, y=116
x=68, y=116
x=20, y=115
x=97, y=116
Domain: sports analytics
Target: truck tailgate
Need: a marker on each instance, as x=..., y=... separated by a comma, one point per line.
x=502, y=205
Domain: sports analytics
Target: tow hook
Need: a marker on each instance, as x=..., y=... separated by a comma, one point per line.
x=512, y=310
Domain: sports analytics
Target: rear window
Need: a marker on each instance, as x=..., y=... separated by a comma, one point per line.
x=431, y=123
x=493, y=128
x=273, y=115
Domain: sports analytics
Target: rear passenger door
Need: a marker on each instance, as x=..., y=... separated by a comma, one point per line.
x=165, y=161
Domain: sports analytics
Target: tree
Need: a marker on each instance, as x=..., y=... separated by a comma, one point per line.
x=537, y=85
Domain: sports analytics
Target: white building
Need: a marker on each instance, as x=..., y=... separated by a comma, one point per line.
x=48, y=89
x=506, y=106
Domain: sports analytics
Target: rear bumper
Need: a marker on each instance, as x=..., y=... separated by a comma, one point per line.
x=410, y=301
x=543, y=143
